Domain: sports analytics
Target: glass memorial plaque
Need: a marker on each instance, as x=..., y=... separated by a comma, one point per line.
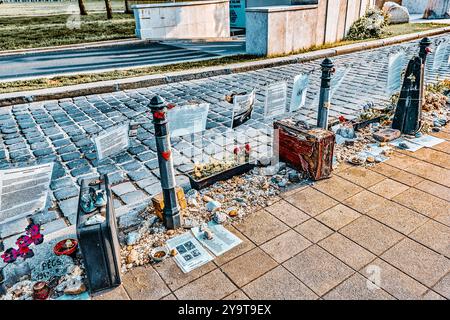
x=112, y=142
x=441, y=56
x=242, y=108
x=191, y=254
x=189, y=119
x=337, y=78
x=24, y=191
x=396, y=65
x=298, y=97
x=275, y=103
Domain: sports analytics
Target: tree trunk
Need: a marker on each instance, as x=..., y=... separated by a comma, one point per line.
x=127, y=7
x=437, y=9
x=108, y=9
x=83, y=10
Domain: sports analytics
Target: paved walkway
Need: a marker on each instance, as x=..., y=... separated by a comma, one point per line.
x=103, y=58
x=378, y=233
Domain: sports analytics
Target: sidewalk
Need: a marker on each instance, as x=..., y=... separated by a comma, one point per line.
x=389, y=224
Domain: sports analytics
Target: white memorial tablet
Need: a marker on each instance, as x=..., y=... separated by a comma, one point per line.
x=112, y=142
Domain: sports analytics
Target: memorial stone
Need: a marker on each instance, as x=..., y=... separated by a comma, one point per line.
x=396, y=65
x=112, y=142
x=298, y=97
x=189, y=119
x=275, y=102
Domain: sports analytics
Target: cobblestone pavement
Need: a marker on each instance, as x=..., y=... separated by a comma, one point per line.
x=61, y=131
x=378, y=233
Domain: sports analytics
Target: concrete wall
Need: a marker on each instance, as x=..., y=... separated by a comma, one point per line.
x=415, y=6
x=183, y=20
x=284, y=29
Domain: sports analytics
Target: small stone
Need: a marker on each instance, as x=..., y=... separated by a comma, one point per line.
x=232, y=212
x=370, y=159
x=213, y=205
x=173, y=252
x=207, y=198
x=95, y=219
x=208, y=234
x=132, y=257
x=418, y=134
x=132, y=238
x=170, y=232
x=220, y=217
x=403, y=145
x=75, y=287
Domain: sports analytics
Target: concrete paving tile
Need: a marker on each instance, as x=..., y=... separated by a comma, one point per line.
x=248, y=267
x=398, y=217
x=434, y=189
x=261, y=227
x=278, y=284
x=361, y=176
x=338, y=188
x=401, y=161
x=245, y=246
x=118, y=293
x=357, y=288
x=285, y=246
x=311, y=201
x=418, y=261
x=443, y=286
x=422, y=202
x=438, y=158
x=237, y=296
x=371, y=234
x=318, y=269
x=347, y=251
x=169, y=297
x=144, y=283
x=443, y=217
x=123, y=188
x=365, y=201
x=434, y=235
x=338, y=216
x=431, y=172
x=388, y=188
x=313, y=230
x=431, y=295
x=287, y=213
x=392, y=280
x=396, y=174
x=212, y=286
x=444, y=147
x=175, y=278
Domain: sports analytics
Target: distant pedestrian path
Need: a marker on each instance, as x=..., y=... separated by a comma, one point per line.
x=75, y=61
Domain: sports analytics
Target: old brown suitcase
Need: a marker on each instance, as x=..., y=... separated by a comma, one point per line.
x=306, y=148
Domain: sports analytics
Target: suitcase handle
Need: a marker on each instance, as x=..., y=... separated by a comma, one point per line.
x=303, y=123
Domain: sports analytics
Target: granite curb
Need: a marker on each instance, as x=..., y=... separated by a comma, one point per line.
x=13, y=98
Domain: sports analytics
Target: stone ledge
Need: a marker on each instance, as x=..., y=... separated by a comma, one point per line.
x=8, y=99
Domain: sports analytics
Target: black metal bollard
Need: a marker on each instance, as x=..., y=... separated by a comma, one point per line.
x=425, y=44
x=425, y=49
x=171, y=211
x=325, y=87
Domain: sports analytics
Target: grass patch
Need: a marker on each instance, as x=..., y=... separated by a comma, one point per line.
x=45, y=31
x=59, y=81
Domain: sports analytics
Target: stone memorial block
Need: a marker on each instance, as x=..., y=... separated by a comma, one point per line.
x=298, y=97
x=441, y=56
x=189, y=119
x=46, y=264
x=276, y=96
x=112, y=142
x=24, y=191
x=242, y=108
x=397, y=63
x=397, y=13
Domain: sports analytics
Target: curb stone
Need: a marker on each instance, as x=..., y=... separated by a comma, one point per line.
x=109, y=86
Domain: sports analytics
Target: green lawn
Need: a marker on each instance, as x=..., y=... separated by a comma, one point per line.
x=35, y=32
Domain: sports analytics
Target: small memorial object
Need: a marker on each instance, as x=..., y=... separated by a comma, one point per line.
x=189, y=119
x=41, y=290
x=99, y=244
x=158, y=202
x=50, y=266
x=67, y=247
x=158, y=254
x=306, y=148
x=275, y=103
x=386, y=135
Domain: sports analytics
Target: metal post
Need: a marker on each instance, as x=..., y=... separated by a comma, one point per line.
x=171, y=211
x=425, y=49
x=324, y=102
